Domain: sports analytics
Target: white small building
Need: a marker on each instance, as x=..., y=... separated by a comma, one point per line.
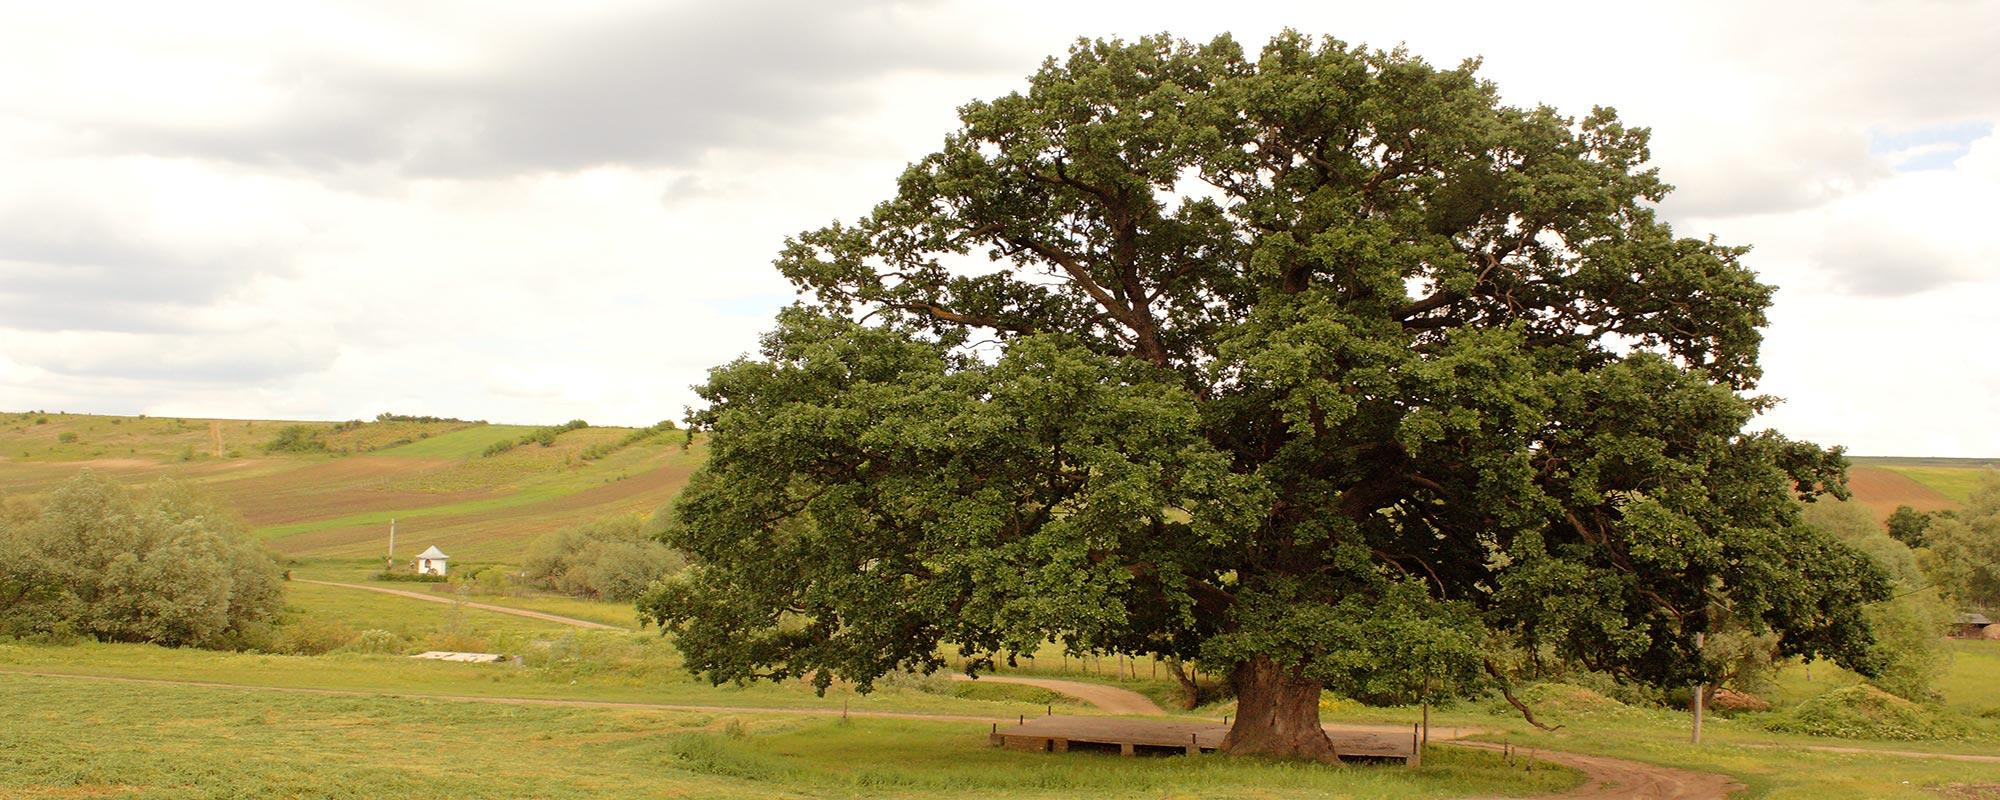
x=431, y=561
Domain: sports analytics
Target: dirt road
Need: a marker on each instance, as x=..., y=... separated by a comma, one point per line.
x=431, y=598
x=1608, y=778
x=1107, y=698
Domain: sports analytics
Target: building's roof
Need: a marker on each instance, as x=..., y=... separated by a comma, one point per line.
x=1973, y=619
x=433, y=553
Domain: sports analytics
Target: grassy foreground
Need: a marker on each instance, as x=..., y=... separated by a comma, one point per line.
x=61, y=737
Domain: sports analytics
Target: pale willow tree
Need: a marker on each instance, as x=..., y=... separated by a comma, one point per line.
x=1318, y=368
x=165, y=566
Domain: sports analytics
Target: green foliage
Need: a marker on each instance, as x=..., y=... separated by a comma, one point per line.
x=296, y=439
x=66, y=437
x=376, y=641
x=313, y=636
x=409, y=577
x=388, y=417
x=1907, y=525
x=1422, y=370
x=1909, y=629
x=167, y=567
x=1864, y=712
x=1963, y=552
x=609, y=559
x=486, y=579
x=545, y=437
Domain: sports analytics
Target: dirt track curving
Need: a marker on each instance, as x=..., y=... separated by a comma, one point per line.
x=431, y=598
x=1618, y=779
x=1107, y=698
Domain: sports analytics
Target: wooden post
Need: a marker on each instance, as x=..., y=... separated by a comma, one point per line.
x=1416, y=748
x=1700, y=689
x=1427, y=721
x=1194, y=745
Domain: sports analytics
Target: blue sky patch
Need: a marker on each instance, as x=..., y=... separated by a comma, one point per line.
x=1934, y=147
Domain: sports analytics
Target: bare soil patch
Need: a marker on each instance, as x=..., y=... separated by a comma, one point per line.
x=1883, y=490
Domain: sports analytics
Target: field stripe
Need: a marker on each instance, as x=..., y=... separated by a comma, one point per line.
x=431, y=598
x=515, y=701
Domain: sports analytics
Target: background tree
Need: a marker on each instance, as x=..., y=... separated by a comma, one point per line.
x=1962, y=553
x=1256, y=347
x=167, y=567
x=608, y=559
x=1907, y=525
x=1909, y=650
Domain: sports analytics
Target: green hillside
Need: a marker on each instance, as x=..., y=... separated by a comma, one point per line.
x=329, y=489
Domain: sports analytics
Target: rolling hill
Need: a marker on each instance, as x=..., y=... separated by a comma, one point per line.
x=333, y=492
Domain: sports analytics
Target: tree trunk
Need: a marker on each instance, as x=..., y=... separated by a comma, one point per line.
x=1277, y=714
x=1190, y=691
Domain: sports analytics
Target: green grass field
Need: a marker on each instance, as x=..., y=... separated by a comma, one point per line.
x=110, y=719
x=65, y=737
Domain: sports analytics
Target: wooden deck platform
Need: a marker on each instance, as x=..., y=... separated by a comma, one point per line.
x=1132, y=737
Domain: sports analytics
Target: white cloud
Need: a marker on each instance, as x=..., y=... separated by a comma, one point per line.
x=533, y=213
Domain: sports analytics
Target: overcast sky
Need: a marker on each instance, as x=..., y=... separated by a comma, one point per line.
x=534, y=212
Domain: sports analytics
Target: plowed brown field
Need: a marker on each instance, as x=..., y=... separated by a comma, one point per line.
x=1882, y=490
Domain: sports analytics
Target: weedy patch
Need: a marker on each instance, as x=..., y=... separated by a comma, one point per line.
x=1865, y=712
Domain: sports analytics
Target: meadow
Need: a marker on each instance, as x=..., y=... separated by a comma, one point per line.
x=593, y=713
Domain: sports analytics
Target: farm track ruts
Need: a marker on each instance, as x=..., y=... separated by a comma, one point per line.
x=1607, y=778
x=431, y=598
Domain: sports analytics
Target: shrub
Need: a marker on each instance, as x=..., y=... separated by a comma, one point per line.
x=1865, y=712
x=295, y=439
x=66, y=437
x=497, y=448
x=376, y=641
x=409, y=577
x=166, y=567
x=388, y=417
x=610, y=559
x=491, y=579
x=312, y=636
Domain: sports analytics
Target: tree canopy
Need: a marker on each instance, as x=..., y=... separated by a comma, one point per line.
x=1313, y=367
x=165, y=566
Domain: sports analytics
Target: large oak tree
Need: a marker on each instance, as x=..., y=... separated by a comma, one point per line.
x=1318, y=368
